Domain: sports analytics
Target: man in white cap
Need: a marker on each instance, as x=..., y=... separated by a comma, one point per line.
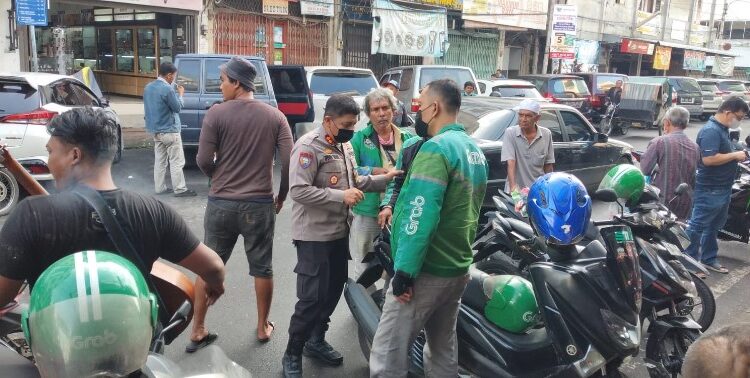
x=527, y=148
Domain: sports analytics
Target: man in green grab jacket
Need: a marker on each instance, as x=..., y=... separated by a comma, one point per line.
x=376, y=148
x=434, y=223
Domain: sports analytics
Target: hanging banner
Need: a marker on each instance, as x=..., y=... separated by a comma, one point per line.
x=399, y=30
x=317, y=7
x=587, y=52
x=723, y=66
x=694, y=61
x=651, y=27
x=564, y=32
x=280, y=7
x=528, y=14
x=662, y=57
x=632, y=46
x=699, y=35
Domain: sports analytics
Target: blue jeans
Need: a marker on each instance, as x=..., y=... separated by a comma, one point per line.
x=710, y=208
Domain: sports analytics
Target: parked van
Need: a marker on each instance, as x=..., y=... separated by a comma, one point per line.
x=411, y=79
x=199, y=74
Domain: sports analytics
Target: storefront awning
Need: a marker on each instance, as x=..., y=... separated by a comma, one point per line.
x=693, y=48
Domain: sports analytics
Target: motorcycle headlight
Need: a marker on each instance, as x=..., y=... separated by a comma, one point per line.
x=626, y=335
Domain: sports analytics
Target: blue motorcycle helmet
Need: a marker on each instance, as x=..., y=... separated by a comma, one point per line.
x=559, y=208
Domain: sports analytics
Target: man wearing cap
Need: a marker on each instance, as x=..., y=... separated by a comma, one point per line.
x=162, y=107
x=236, y=151
x=400, y=116
x=527, y=148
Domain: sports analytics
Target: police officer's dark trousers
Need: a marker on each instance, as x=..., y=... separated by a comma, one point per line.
x=321, y=274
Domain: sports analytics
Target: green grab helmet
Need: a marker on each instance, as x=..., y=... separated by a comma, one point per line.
x=626, y=180
x=512, y=304
x=90, y=314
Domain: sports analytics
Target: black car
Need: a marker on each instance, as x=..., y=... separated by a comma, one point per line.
x=686, y=92
x=564, y=89
x=579, y=149
x=599, y=85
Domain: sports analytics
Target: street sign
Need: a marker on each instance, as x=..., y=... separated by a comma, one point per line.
x=31, y=12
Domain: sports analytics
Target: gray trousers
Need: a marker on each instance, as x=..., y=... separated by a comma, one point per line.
x=361, y=234
x=434, y=308
x=168, y=153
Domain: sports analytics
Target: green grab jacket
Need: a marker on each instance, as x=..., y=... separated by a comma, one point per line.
x=437, y=211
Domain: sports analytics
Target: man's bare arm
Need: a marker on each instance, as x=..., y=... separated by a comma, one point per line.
x=511, y=174
x=720, y=159
x=204, y=262
x=549, y=167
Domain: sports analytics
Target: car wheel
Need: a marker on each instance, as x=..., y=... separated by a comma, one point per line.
x=9, y=192
x=118, y=154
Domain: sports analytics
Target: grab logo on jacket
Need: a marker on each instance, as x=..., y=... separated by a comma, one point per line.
x=416, y=212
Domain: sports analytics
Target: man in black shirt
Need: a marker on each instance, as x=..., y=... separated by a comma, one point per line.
x=43, y=229
x=615, y=93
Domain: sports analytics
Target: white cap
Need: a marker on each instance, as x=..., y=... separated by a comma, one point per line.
x=528, y=104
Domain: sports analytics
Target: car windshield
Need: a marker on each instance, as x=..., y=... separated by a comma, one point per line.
x=492, y=126
x=328, y=83
x=605, y=82
x=17, y=97
x=709, y=87
x=686, y=85
x=527, y=91
x=459, y=75
x=569, y=87
x=733, y=86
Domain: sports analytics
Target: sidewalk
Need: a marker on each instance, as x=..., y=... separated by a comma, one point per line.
x=130, y=112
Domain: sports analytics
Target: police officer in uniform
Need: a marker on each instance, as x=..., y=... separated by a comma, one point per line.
x=324, y=186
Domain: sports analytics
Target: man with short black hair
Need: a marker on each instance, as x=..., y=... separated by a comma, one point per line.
x=614, y=94
x=434, y=225
x=43, y=229
x=717, y=169
x=676, y=157
x=723, y=353
x=236, y=150
x=162, y=107
x=324, y=186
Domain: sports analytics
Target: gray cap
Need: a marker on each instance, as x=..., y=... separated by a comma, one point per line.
x=241, y=70
x=530, y=105
x=394, y=83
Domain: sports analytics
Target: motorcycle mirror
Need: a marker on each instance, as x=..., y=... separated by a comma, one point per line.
x=182, y=313
x=180, y=316
x=681, y=189
x=606, y=195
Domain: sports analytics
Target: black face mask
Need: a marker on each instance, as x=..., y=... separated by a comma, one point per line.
x=420, y=126
x=344, y=136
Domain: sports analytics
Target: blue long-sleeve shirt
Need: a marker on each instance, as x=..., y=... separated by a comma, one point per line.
x=161, y=107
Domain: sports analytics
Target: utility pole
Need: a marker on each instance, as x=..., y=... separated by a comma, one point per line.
x=550, y=10
x=34, y=57
x=711, y=25
x=690, y=22
x=723, y=17
x=664, y=11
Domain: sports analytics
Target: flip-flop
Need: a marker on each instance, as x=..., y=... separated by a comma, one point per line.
x=202, y=343
x=266, y=339
x=701, y=275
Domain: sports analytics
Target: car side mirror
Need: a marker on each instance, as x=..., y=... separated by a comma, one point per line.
x=606, y=195
x=681, y=189
x=602, y=138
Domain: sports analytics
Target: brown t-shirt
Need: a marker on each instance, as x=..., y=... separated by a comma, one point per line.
x=243, y=135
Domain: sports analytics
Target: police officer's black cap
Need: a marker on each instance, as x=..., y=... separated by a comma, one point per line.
x=241, y=70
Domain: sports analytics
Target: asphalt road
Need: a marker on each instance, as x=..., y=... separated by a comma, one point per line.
x=234, y=317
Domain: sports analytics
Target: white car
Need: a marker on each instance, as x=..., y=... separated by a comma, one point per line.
x=325, y=81
x=508, y=88
x=28, y=102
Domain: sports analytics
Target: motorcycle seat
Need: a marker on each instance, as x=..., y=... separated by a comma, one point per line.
x=474, y=293
x=522, y=228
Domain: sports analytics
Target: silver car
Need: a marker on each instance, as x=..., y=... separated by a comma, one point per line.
x=712, y=98
x=729, y=88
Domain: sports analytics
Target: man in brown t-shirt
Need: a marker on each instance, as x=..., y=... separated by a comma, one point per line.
x=236, y=151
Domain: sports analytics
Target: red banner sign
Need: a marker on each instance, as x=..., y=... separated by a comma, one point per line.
x=636, y=47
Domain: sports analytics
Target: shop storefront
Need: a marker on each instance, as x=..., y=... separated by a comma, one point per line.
x=122, y=44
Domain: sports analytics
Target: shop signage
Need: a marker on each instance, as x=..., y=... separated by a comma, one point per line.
x=408, y=31
x=564, y=31
x=317, y=7
x=450, y=4
x=636, y=47
x=280, y=7
x=528, y=14
x=662, y=57
x=359, y=10
x=193, y=5
x=699, y=35
x=652, y=27
x=694, y=61
x=31, y=12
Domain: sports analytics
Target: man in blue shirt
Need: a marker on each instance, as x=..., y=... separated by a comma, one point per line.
x=162, y=107
x=717, y=169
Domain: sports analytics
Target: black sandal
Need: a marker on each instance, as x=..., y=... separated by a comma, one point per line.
x=202, y=343
x=266, y=339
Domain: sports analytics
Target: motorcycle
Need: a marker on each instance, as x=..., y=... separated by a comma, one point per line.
x=609, y=123
x=209, y=361
x=667, y=285
x=589, y=310
x=737, y=227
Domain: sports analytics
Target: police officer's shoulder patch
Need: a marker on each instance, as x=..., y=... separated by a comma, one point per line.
x=305, y=159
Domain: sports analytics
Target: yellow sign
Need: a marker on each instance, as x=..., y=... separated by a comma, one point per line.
x=651, y=27
x=662, y=57
x=450, y=4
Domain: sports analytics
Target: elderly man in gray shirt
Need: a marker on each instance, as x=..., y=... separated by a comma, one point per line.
x=527, y=148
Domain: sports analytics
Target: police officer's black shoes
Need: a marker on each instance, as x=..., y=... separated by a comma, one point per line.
x=292, y=364
x=317, y=347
